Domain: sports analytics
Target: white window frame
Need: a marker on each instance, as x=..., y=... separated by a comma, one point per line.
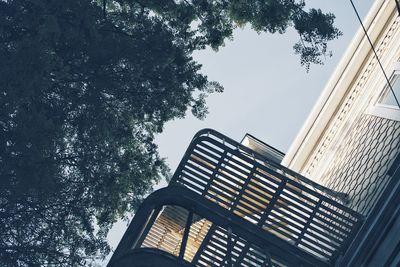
x=386, y=111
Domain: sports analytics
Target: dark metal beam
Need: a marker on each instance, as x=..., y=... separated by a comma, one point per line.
x=147, y=228
x=186, y=235
x=180, y=196
x=248, y=151
x=376, y=225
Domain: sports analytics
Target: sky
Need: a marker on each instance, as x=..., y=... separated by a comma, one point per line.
x=267, y=92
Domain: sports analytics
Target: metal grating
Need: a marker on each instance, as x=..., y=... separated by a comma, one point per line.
x=361, y=164
x=268, y=195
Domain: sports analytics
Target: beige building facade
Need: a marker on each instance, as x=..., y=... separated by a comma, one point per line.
x=352, y=137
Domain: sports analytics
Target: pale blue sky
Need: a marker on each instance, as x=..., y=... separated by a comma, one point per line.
x=267, y=93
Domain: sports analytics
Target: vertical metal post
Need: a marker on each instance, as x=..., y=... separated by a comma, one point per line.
x=146, y=228
x=244, y=187
x=215, y=172
x=242, y=254
x=186, y=235
x=267, y=261
x=204, y=243
x=228, y=256
x=309, y=221
x=271, y=204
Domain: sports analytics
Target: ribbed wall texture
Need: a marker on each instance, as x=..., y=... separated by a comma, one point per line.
x=360, y=165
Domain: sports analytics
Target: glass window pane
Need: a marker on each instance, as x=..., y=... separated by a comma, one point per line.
x=388, y=98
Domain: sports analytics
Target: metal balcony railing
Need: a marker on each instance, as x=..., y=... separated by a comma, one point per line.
x=257, y=212
x=267, y=194
x=177, y=227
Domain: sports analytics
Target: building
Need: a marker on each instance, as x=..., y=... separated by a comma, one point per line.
x=247, y=204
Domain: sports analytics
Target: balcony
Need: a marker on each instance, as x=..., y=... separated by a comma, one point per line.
x=226, y=205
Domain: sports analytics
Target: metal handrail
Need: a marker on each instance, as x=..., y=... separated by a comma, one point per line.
x=268, y=207
x=267, y=194
x=332, y=193
x=247, y=232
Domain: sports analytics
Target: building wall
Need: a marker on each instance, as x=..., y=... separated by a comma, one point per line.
x=360, y=164
x=342, y=145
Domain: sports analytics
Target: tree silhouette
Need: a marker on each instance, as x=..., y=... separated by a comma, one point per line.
x=85, y=86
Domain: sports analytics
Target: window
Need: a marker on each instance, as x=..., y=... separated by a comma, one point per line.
x=386, y=105
x=387, y=99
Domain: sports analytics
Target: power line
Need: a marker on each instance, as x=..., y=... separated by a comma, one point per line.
x=376, y=55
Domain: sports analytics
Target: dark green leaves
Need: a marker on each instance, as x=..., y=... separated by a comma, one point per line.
x=83, y=91
x=315, y=30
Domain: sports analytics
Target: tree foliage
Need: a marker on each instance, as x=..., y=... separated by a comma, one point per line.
x=83, y=91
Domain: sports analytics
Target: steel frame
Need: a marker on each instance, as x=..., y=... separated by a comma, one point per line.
x=259, y=211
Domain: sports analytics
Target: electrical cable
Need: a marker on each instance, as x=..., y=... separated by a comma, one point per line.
x=376, y=55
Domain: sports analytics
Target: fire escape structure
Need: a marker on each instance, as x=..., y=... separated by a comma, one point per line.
x=228, y=205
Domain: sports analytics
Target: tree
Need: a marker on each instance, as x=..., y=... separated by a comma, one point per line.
x=85, y=86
